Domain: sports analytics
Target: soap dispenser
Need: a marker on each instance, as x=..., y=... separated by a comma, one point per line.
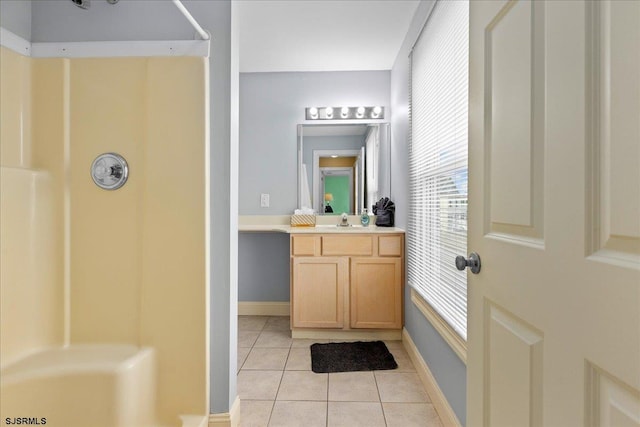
x=364, y=218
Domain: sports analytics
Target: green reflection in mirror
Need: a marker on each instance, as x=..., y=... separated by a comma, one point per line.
x=338, y=187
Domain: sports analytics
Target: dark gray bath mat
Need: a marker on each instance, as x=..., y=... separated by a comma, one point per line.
x=351, y=356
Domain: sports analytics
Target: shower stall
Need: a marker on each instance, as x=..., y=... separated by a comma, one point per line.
x=104, y=291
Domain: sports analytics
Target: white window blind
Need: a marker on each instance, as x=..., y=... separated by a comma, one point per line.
x=438, y=162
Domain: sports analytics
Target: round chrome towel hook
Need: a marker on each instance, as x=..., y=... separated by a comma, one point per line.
x=109, y=171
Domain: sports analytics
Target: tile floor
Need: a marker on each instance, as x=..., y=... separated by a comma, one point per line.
x=278, y=389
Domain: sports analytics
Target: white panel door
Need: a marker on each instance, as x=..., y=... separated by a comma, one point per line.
x=554, y=212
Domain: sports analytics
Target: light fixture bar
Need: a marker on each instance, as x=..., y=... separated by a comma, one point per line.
x=344, y=113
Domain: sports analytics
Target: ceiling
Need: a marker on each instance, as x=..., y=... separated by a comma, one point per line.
x=322, y=35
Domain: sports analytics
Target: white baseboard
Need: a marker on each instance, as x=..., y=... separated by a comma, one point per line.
x=227, y=419
x=440, y=403
x=263, y=308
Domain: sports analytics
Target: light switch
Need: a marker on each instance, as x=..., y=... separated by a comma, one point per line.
x=264, y=200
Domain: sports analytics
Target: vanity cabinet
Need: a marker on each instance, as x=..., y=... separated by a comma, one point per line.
x=345, y=281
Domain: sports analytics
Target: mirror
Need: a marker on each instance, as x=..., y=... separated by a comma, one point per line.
x=343, y=167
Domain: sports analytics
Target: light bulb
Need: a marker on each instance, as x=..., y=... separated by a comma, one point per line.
x=377, y=110
x=329, y=111
x=345, y=111
x=313, y=112
x=360, y=112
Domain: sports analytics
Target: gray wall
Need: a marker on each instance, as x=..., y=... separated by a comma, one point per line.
x=60, y=20
x=263, y=274
x=450, y=372
x=15, y=16
x=271, y=107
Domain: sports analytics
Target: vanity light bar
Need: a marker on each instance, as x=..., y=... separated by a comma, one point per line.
x=344, y=113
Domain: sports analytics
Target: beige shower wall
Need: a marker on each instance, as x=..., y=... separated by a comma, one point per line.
x=31, y=241
x=174, y=294
x=15, y=109
x=30, y=302
x=109, y=113
x=130, y=264
x=138, y=254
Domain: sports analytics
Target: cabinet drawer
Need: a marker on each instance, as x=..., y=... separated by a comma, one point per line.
x=347, y=245
x=303, y=245
x=390, y=245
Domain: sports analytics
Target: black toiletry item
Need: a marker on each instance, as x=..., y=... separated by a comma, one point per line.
x=384, y=210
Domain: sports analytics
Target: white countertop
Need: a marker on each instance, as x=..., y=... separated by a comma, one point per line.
x=280, y=224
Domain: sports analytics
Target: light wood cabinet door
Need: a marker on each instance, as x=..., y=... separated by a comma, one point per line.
x=376, y=293
x=318, y=291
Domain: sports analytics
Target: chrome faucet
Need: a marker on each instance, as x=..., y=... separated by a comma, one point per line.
x=344, y=221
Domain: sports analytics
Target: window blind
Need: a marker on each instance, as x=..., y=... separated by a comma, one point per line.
x=438, y=162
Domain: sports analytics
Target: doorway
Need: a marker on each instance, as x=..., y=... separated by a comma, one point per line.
x=337, y=188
